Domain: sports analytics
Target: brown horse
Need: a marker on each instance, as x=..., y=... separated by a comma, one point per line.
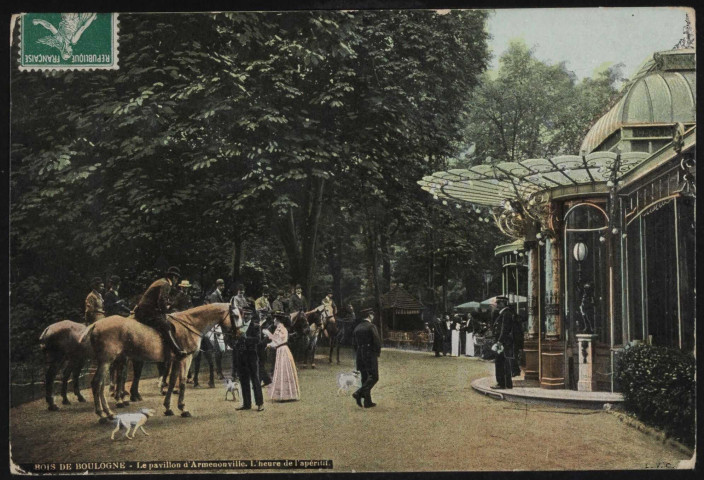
x=112, y=338
x=61, y=344
x=306, y=328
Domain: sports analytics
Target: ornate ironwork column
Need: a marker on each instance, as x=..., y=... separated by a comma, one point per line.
x=533, y=290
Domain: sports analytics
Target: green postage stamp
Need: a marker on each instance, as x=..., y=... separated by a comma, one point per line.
x=68, y=41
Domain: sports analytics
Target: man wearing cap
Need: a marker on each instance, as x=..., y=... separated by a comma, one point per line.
x=113, y=304
x=278, y=304
x=367, y=344
x=330, y=303
x=216, y=295
x=239, y=300
x=152, y=307
x=503, y=347
x=261, y=304
x=182, y=298
x=95, y=309
x=297, y=302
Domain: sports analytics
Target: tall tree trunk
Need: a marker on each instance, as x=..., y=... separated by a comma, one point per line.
x=236, y=258
x=311, y=234
x=335, y=265
x=445, y=266
x=385, y=261
x=286, y=229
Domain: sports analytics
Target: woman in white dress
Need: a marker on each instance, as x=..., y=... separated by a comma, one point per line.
x=284, y=384
x=455, y=338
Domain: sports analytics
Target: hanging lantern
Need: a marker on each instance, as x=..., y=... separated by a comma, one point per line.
x=580, y=251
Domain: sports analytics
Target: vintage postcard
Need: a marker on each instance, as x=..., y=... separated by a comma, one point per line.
x=332, y=241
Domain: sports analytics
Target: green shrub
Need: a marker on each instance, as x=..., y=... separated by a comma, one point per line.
x=659, y=385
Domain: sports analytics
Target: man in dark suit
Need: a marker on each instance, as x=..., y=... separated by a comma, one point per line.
x=503, y=329
x=367, y=344
x=246, y=350
x=113, y=304
x=438, y=336
x=297, y=302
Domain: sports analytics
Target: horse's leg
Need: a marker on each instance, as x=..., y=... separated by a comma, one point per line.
x=114, y=372
x=172, y=383
x=98, y=385
x=183, y=370
x=65, y=376
x=313, y=347
x=77, y=367
x=52, y=366
x=136, y=375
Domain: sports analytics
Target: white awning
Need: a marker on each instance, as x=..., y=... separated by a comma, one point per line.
x=490, y=185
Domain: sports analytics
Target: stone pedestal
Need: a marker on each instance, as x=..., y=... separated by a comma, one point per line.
x=587, y=377
x=553, y=365
x=530, y=349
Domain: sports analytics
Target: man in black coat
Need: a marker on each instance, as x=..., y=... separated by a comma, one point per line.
x=503, y=329
x=246, y=350
x=438, y=336
x=111, y=300
x=367, y=344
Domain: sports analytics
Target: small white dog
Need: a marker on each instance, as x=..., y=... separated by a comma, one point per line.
x=233, y=388
x=132, y=420
x=347, y=380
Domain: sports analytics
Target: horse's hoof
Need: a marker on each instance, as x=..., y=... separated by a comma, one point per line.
x=111, y=416
x=125, y=403
x=103, y=420
x=80, y=398
x=182, y=407
x=186, y=414
x=120, y=405
x=136, y=398
x=169, y=413
x=54, y=407
x=65, y=401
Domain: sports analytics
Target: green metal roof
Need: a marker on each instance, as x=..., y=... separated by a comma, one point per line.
x=662, y=92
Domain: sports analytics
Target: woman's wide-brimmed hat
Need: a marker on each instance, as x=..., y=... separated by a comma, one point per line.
x=185, y=284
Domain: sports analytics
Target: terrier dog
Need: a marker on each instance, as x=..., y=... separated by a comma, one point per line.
x=347, y=380
x=132, y=420
x=233, y=388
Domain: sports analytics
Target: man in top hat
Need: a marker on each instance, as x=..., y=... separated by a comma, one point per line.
x=95, y=309
x=247, y=353
x=367, y=344
x=503, y=329
x=113, y=304
x=155, y=303
x=297, y=302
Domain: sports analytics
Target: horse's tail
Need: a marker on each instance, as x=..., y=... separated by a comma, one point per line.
x=43, y=338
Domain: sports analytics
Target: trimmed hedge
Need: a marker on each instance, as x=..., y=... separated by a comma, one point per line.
x=659, y=385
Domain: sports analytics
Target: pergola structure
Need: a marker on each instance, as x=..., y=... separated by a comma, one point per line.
x=608, y=234
x=397, y=305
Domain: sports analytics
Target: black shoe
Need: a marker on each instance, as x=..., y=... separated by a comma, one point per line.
x=243, y=408
x=266, y=383
x=260, y=408
x=196, y=385
x=370, y=405
x=358, y=398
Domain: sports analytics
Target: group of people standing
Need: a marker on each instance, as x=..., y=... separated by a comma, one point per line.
x=172, y=294
x=452, y=336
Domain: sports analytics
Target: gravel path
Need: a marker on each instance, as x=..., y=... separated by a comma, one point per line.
x=428, y=419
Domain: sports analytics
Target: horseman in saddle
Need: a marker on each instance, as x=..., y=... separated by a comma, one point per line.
x=155, y=303
x=95, y=309
x=298, y=302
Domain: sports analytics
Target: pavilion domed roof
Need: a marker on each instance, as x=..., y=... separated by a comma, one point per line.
x=662, y=92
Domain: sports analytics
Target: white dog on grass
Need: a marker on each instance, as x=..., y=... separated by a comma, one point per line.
x=347, y=380
x=233, y=388
x=132, y=420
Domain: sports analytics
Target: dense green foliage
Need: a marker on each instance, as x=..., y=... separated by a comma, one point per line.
x=257, y=147
x=659, y=386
